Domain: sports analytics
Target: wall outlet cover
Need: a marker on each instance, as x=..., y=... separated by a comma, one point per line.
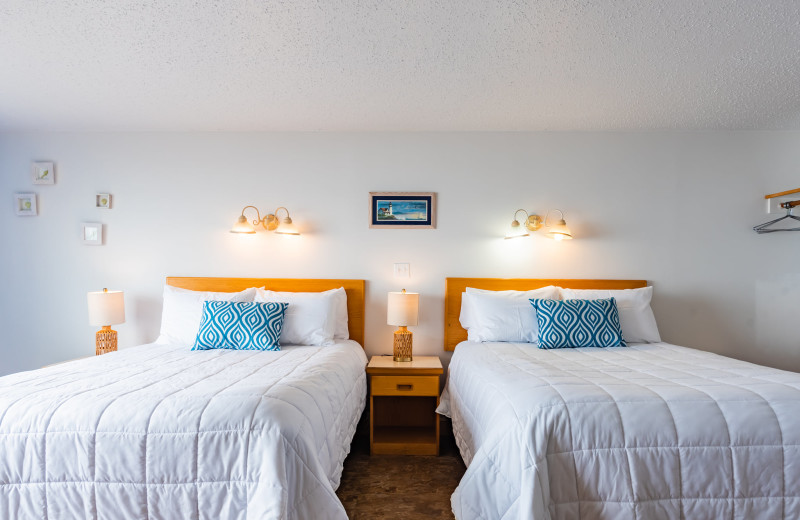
x=402, y=270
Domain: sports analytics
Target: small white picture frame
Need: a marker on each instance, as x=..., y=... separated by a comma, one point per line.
x=25, y=204
x=43, y=173
x=102, y=200
x=92, y=233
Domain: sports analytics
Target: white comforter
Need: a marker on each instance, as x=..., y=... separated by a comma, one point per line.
x=646, y=432
x=160, y=432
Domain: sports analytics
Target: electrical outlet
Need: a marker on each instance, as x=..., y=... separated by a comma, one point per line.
x=774, y=205
x=402, y=270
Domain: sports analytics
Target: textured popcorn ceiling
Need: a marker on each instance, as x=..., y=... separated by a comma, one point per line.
x=399, y=65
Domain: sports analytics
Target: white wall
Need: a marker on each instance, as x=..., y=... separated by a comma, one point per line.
x=675, y=209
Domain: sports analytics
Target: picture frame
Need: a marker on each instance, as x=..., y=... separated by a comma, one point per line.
x=102, y=200
x=402, y=210
x=25, y=204
x=43, y=173
x=92, y=233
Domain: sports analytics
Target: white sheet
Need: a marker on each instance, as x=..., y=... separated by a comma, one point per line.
x=158, y=431
x=645, y=432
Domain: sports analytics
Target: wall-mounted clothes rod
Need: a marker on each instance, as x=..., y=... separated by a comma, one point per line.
x=781, y=194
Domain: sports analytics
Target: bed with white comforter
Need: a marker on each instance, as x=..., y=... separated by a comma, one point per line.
x=646, y=432
x=161, y=432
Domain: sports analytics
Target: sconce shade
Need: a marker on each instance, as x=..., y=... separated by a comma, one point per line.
x=242, y=225
x=287, y=227
x=516, y=230
x=559, y=231
x=106, y=308
x=402, y=309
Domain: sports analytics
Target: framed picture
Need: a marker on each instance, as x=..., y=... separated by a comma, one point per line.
x=25, y=204
x=92, y=233
x=102, y=200
x=402, y=210
x=43, y=173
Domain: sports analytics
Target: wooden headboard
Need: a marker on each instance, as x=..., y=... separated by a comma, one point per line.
x=454, y=334
x=354, y=288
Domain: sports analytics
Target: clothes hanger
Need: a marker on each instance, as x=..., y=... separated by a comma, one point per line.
x=788, y=206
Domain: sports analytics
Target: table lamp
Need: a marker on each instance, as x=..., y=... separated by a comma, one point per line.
x=402, y=311
x=106, y=308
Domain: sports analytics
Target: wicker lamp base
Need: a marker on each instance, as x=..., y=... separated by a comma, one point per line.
x=402, y=344
x=105, y=340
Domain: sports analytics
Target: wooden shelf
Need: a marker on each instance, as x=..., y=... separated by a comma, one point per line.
x=398, y=440
x=782, y=193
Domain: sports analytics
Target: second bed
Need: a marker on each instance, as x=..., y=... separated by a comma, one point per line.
x=649, y=431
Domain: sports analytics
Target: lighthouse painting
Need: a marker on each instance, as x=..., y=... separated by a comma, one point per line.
x=402, y=210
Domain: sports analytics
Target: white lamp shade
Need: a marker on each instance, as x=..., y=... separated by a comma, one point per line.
x=559, y=231
x=403, y=309
x=516, y=230
x=287, y=227
x=106, y=308
x=243, y=226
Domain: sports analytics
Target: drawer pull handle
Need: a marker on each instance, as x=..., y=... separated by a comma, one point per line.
x=405, y=387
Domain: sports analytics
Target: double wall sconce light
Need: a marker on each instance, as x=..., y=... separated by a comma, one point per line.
x=557, y=231
x=270, y=222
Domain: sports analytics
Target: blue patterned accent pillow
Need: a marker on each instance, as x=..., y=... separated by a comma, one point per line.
x=578, y=323
x=240, y=326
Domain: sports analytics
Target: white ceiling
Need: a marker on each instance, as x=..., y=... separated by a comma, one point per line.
x=384, y=65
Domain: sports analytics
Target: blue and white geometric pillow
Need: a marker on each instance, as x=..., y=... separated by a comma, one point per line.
x=578, y=323
x=240, y=326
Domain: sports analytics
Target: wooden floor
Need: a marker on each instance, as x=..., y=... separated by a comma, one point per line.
x=397, y=486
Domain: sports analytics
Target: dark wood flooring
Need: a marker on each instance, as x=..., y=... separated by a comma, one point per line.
x=399, y=486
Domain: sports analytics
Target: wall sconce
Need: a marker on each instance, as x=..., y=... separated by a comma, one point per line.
x=270, y=222
x=557, y=231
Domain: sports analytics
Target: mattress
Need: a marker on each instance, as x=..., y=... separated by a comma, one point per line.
x=158, y=431
x=649, y=432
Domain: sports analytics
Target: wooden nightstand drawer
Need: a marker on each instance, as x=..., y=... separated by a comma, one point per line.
x=405, y=385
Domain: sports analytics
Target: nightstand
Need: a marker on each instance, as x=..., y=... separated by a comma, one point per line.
x=403, y=398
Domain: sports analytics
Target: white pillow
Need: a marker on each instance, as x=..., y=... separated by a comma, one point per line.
x=466, y=318
x=635, y=315
x=341, y=330
x=183, y=311
x=310, y=319
x=502, y=315
x=340, y=303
